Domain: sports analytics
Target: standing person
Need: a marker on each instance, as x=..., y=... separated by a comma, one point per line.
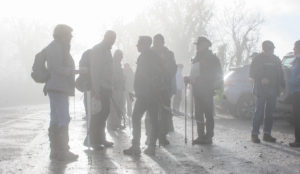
x=169, y=64
x=101, y=72
x=295, y=90
x=60, y=85
x=147, y=87
x=129, y=79
x=267, y=74
x=179, y=87
x=114, y=121
x=206, y=77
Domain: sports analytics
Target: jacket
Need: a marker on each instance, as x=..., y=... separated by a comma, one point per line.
x=295, y=76
x=268, y=67
x=208, y=75
x=60, y=65
x=148, y=81
x=101, y=68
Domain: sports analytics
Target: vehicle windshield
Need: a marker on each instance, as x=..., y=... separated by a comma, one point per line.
x=287, y=61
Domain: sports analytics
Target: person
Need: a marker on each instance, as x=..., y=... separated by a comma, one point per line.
x=129, y=79
x=266, y=72
x=101, y=72
x=170, y=68
x=179, y=87
x=206, y=77
x=60, y=85
x=116, y=116
x=147, y=87
x=295, y=90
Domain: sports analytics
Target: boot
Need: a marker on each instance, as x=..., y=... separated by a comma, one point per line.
x=106, y=143
x=62, y=153
x=163, y=141
x=132, y=151
x=255, y=139
x=150, y=151
x=269, y=138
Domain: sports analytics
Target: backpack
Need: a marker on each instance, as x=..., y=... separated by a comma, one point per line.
x=40, y=73
x=83, y=82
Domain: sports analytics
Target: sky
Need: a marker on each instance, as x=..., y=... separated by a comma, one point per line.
x=281, y=16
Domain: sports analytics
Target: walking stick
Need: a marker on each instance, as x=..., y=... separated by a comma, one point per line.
x=185, y=114
x=89, y=112
x=192, y=112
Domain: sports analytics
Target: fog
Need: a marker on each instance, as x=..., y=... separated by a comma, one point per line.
x=26, y=28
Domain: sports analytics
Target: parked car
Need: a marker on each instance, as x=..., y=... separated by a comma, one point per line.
x=238, y=96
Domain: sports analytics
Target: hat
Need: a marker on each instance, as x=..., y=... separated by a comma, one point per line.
x=203, y=39
x=145, y=40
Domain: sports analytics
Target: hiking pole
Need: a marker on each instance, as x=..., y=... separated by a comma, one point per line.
x=185, y=114
x=192, y=111
x=89, y=112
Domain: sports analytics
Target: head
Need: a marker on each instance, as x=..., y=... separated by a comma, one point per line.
x=63, y=33
x=297, y=48
x=109, y=38
x=158, y=40
x=118, y=55
x=179, y=66
x=144, y=43
x=268, y=47
x=202, y=44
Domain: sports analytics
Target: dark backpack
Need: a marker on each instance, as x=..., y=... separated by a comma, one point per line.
x=83, y=82
x=40, y=73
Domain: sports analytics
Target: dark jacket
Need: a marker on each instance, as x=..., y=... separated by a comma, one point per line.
x=295, y=76
x=148, y=77
x=101, y=68
x=169, y=65
x=60, y=65
x=210, y=75
x=269, y=67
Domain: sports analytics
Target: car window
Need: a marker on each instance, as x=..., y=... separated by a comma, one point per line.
x=287, y=61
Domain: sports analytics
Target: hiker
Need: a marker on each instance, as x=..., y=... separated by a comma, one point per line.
x=101, y=72
x=147, y=88
x=117, y=108
x=295, y=91
x=59, y=86
x=267, y=75
x=206, y=77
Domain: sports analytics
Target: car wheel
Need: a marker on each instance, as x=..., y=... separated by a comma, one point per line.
x=245, y=106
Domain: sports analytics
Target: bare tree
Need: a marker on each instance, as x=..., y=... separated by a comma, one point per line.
x=243, y=29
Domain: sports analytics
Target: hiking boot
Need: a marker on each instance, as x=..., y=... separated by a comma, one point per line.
x=198, y=140
x=150, y=151
x=294, y=144
x=255, y=139
x=132, y=151
x=107, y=143
x=269, y=138
x=63, y=156
x=97, y=147
x=163, y=142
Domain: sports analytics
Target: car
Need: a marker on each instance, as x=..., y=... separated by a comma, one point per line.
x=238, y=91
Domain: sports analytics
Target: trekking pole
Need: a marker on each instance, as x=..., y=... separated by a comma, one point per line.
x=192, y=111
x=88, y=117
x=185, y=115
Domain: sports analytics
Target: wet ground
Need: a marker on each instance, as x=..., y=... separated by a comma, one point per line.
x=24, y=148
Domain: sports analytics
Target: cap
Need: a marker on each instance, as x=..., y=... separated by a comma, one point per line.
x=203, y=39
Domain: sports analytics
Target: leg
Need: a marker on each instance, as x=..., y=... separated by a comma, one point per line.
x=209, y=116
x=268, y=121
x=199, y=115
x=138, y=112
x=105, y=98
x=296, y=111
x=258, y=115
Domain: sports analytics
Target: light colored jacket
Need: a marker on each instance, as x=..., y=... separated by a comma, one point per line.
x=60, y=65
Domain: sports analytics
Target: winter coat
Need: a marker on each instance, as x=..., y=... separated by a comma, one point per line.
x=208, y=75
x=101, y=68
x=60, y=65
x=170, y=68
x=295, y=76
x=148, y=77
x=269, y=67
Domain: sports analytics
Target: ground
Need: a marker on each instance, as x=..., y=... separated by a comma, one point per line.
x=24, y=148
